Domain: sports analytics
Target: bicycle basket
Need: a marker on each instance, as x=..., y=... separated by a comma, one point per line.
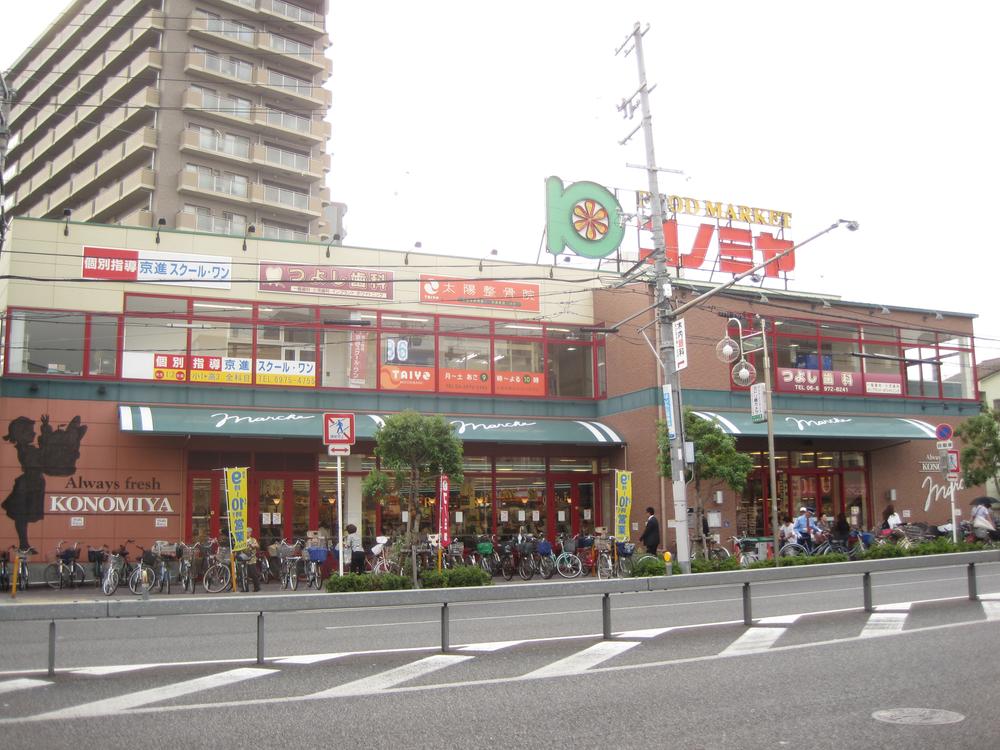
x=318, y=554
x=288, y=550
x=569, y=546
x=625, y=549
x=545, y=547
x=485, y=548
x=149, y=558
x=165, y=550
x=585, y=541
x=748, y=545
x=377, y=549
x=224, y=554
x=456, y=548
x=69, y=555
x=526, y=548
x=96, y=555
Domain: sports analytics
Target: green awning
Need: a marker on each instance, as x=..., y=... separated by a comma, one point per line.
x=822, y=426
x=188, y=420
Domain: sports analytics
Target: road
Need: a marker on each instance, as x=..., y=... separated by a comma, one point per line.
x=682, y=671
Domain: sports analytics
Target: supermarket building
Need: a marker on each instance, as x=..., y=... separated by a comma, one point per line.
x=160, y=358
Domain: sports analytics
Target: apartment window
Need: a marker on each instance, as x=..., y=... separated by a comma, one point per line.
x=291, y=47
x=274, y=231
x=226, y=143
x=226, y=27
x=225, y=182
x=231, y=67
x=292, y=11
x=286, y=157
x=286, y=196
x=292, y=83
x=288, y=120
x=228, y=105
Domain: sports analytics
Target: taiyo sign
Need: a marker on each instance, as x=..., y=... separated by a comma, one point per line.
x=588, y=219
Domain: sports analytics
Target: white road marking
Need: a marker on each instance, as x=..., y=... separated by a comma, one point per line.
x=649, y=633
x=153, y=695
x=886, y=620
x=754, y=640
x=116, y=669
x=393, y=677
x=487, y=647
x=308, y=658
x=581, y=661
x=991, y=608
x=779, y=620
x=23, y=683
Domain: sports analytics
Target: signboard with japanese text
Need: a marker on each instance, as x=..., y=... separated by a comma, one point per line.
x=491, y=293
x=680, y=345
x=359, y=359
x=758, y=402
x=153, y=267
x=623, y=504
x=464, y=381
x=219, y=369
x=285, y=372
x=333, y=281
x=170, y=368
x=805, y=380
x=444, y=494
x=236, y=506
x=519, y=383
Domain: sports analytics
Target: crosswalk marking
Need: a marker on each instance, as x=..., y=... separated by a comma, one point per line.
x=754, y=640
x=22, y=683
x=650, y=633
x=102, y=671
x=488, y=647
x=308, y=658
x=393, y=677
x=991, y=609
x=144, y=697
x=581, y=661
x=779, y=620
x=886, y=619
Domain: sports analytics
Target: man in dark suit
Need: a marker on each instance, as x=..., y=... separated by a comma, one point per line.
x=651, y=534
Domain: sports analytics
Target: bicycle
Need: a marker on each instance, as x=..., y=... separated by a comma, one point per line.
x=314, y=569
x=218, y=576
x=116, y=570
x=381, y=561
x=614, y=558
x=507, y=560
x=97, y=557
x=143, y=577
x=546, y=558
x=289, y=555
x=66, y=572
x=185, y=573
x=568, y=565
x=745, y=548
x=165, y=552
x=711, y=550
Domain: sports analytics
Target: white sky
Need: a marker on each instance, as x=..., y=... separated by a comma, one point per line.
x=448, y=117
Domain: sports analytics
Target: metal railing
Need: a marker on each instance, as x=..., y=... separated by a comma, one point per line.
x=18, y=610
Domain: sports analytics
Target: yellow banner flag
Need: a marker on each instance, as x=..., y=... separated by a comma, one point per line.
x=236, y=506
x=623, y=504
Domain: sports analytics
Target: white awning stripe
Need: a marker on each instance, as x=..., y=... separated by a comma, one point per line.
x=596, y=433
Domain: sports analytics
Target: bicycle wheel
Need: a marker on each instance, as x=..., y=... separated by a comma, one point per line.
x=161, y=580
x=569, y=565
x=23, y=579
x=507, y=567
x=525, y=568
x=142, y=579
x=77, y=574
x=747, y=559
x=293, y=578
x=109, y=584
x=793, y=550
x=53, y=576
x=547, y=567
x=605, y=568
x=719, y=553
x=625, y=566
x=265, y=571
x=216, y=578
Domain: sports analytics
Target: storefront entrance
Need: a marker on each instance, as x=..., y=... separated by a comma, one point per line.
x=573, y=506
x=287, y=507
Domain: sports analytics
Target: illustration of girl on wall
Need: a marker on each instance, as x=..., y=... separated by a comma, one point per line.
x=55, y=454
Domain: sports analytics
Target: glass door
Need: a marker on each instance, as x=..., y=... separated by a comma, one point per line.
x=287, y=508
x=208, y=506
x=574, y=507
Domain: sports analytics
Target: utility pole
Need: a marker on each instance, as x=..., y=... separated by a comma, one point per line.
x=669, y=378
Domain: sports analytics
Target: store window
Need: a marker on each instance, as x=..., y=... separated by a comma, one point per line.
x=570, y=370
x=464, y=365
x=102, y=356
x=957, y=374
x=155, y=349
x=520, y=463
x=881, y=361
x=46, y=342
x=407, y=360
x=471, y=509
x=517, y=367
x=349, y=358
x=521, y=504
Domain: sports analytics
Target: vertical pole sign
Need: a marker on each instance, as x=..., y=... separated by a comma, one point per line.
x=443, y=519
x=680, y=345
x=338, y=436
x=623, y=504
x=949, y=466
x=236, y=510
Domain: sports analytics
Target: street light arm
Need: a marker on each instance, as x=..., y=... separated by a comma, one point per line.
x=677, y=312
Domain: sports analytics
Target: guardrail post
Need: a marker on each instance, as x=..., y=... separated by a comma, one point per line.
x=444, y=628
x=866, y=585
x=747, y=605
x=260, y=637
x=973, y=593
x=52, y=647
x=606, y=615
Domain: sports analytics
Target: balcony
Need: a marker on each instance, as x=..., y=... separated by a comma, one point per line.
x=222, y=108
x=289, y=202
x=289, y=162
x=292, y=126
x=292, y=91
x=218, y=69
x=230, y=33
x=132, y=189
x=212, y=186
x=298, y=19
x=193, y=222
x=195, y=142
x=306, y=58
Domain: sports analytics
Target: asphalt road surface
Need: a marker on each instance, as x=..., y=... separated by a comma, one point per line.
x=814, y=671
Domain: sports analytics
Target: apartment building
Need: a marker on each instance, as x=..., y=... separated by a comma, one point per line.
x=199, y=115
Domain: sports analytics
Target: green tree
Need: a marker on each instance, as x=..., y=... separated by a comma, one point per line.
x=981, y=448
x=715, y=458
x=413, y=449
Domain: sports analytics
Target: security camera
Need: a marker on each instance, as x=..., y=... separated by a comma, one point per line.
x=852, y=226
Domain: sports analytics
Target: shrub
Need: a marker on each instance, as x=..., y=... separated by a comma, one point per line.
x=650, y=566
x=880, y=551
x=366, y=582
x=714, y=566
x=464, y=575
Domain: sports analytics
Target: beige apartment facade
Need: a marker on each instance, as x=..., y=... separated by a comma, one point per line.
x=205, y=116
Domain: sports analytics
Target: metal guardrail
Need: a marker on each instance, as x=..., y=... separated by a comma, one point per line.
x=18, y=610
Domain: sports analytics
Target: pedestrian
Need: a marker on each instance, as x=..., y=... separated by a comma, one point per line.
x=787, y=532
x=841, y=527
x=651, y=534
x=804, y=527
x=890, y=520
x=983, y=526
x=354, y=551
x=250, y=557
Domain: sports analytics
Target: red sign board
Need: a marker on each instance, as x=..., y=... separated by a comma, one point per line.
x=443, y=520
x=361, y=283
x=492, y=293
x=338, y=429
